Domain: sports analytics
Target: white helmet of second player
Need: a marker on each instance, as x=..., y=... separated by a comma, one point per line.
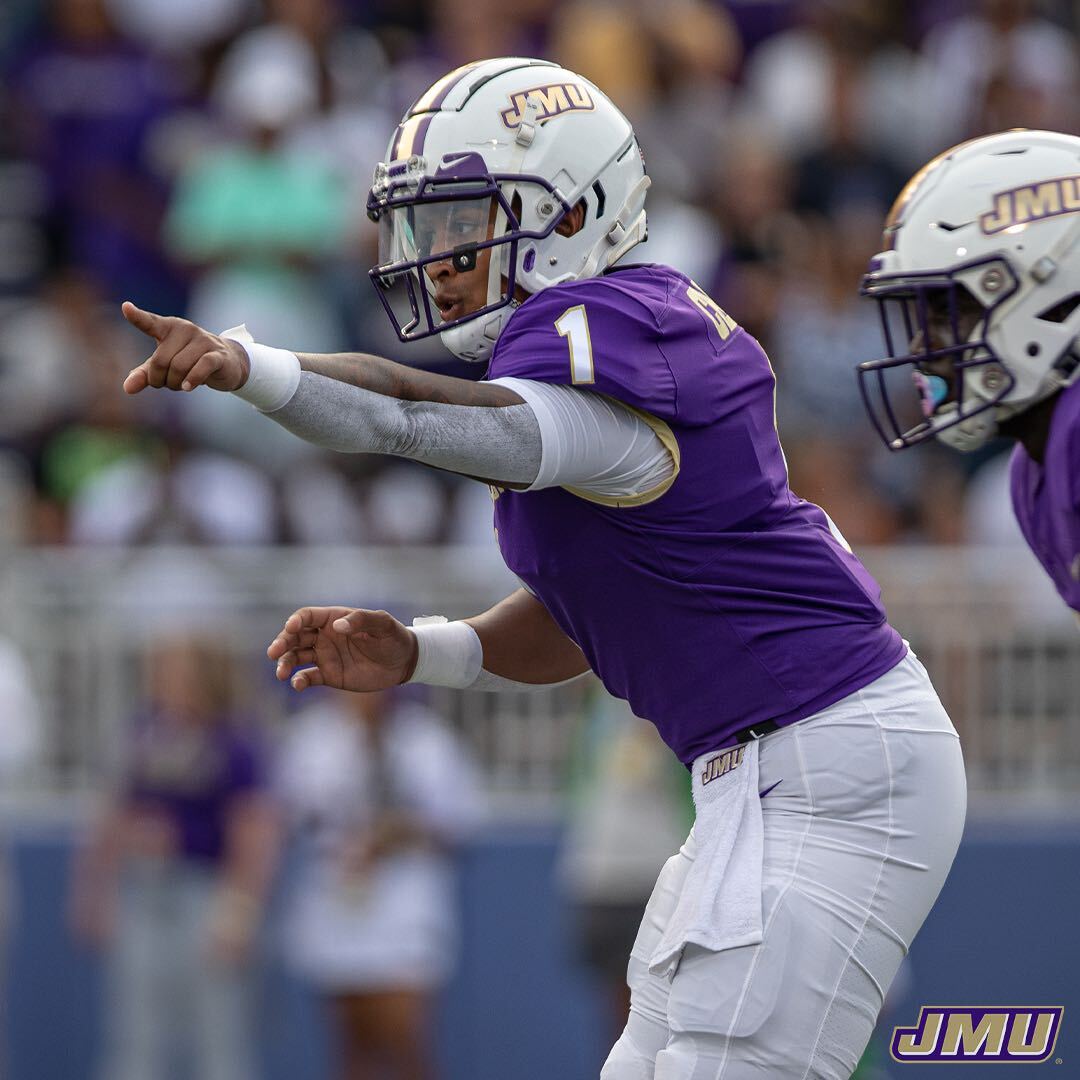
x=979, y=289
x=494, y=155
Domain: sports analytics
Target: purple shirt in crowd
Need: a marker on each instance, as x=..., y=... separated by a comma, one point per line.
x=1046, y=498
x=192, y=776
x=726, y=600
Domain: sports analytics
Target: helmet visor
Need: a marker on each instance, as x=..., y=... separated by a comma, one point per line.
x=419, y=232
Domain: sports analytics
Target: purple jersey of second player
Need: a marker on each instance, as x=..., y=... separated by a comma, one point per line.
x=719, y=600
x=1046, y=498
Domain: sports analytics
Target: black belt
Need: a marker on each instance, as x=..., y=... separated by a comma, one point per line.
x=755, y=731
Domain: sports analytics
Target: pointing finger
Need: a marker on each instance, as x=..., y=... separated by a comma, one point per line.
x=157, y=326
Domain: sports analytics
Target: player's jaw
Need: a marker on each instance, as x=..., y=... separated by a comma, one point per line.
x=459, y=293
x=945, y=328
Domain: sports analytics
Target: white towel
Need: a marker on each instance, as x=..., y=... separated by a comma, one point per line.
x=720, y=904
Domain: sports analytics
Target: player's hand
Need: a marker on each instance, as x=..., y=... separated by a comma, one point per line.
x=186, y=356
x=347, y=648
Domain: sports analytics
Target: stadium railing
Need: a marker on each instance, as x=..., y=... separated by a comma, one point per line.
x=1004, y=653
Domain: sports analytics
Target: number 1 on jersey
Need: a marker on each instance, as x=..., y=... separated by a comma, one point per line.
x=573, y=325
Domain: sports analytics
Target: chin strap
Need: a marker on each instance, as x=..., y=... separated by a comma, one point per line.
x=621, y=235
x=499, y=266
x=474, y=341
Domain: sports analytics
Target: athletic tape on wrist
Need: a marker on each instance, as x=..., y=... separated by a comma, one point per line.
x=448, y=653
x=273, y=376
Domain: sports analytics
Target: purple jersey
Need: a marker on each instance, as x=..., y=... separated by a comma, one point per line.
x=720, y=600
x=1046, y=498
x=192, y=776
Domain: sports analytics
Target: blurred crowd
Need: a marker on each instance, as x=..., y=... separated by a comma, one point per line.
x=211, y=158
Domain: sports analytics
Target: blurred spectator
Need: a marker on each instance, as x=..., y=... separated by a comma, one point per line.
x=85, y=101
x=104, y=476
x=323, y=504
x=407, y=505
x=20, y=749
x=256, y=222
x=24, y=243
x=1000, y=66
x=789, y=80
x=62, y=358
x=751, y=200
x=670, y=64
x=20, y=716
x=173, y=878
x=17, y=501
x=826, y=329
x=844, y=170
x=259, y=224
x=181, y=29
x=379, y=792
x=630, y=810
x=823, y=331
x=187, y=496
x=44, y=371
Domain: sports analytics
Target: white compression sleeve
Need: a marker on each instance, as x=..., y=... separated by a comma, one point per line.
x=561, y=436
x=489, y=681
x=495, y=443
x=593, y=442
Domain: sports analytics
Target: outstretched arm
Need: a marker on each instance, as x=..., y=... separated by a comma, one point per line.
x=353, y=403
x=187, y=356
x=516, y=641
x=515, y=433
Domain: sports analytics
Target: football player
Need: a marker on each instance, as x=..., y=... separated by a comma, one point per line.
x=626, y=427
x=979, y=290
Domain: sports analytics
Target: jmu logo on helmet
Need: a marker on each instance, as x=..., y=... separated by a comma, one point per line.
x=1024, y=1033
x=552, y=100
x=1032, y=202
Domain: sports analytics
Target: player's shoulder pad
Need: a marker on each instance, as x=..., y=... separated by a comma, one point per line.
x=600, y=333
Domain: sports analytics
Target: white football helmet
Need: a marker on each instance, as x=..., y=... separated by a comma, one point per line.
x=979, y=289
x=493, y=156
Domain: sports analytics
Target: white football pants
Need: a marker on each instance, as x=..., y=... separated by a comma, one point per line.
x=859, y=834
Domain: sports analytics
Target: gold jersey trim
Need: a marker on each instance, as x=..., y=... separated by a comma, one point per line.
x=667, y=437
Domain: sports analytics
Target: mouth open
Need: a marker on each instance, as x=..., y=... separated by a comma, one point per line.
x=449, y=309
x=935, y=392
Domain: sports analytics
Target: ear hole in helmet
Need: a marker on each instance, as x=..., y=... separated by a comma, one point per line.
x=1059, y=312
x=574, y=220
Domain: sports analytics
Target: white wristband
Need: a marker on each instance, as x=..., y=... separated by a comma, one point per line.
x=273, y=376
x=448, y=653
